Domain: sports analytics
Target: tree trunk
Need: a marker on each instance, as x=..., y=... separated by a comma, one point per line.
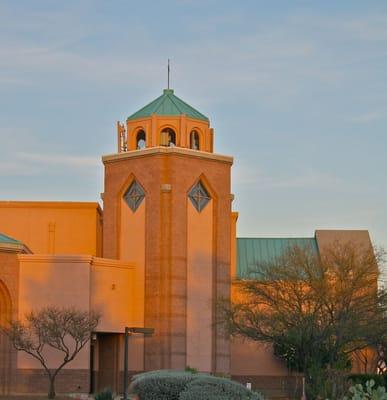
x=51, y=393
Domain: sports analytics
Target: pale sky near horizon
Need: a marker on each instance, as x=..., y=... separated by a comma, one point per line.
x=295, y=90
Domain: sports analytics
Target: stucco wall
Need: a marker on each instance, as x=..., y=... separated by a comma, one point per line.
x=85, y=282
x=132, y=248
x=61, y=281
x=9, y=274
x=359, y=238
x=200, y=294
x=252, y=358
x=54, y=227
x=111, y=293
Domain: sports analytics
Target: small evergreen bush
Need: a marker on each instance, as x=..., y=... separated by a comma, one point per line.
x=215, y=388
x=161, y=385
x=185, y=385
x=106, y=394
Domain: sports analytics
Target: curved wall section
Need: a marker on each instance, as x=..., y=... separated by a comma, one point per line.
x=5, y=346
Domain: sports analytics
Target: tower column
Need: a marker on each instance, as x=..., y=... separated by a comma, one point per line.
x=168, y=209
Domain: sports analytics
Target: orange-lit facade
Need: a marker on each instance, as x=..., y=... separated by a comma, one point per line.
x=159, y=252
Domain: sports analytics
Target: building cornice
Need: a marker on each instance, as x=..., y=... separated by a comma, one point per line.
x=162, y=118
x=75, y=259
x=60, y=258
x=50, y=204
x=168, y=151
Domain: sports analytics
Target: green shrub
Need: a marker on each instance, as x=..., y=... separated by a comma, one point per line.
x=190, y=369
x=380, y=380
x=367, y=392
x=215, y=388
x=183, y=385
x=161, y=385
x=106, y=394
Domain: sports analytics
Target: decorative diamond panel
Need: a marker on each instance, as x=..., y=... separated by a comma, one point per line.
x=199, y=196
x=134, y=196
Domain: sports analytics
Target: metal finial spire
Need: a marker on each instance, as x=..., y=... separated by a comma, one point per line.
x=169, y=72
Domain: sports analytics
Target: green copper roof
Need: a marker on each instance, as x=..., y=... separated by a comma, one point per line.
x=252, y=251
x=8, y=240
x=168, y=104
x=9, y=244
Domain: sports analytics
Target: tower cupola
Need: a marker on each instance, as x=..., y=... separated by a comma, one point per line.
x=166, y=121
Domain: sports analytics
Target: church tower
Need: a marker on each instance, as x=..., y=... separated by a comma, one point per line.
x=167, y=209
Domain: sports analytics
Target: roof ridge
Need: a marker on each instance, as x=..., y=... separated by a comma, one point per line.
x=188, y=105
x=174, y=103
x=165, y=96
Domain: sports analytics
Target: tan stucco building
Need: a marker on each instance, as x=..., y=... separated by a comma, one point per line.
x=160, y=253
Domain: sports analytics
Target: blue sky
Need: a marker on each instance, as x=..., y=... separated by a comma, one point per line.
x=296, y=92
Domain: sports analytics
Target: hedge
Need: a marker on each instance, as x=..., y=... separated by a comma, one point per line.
x=214, y=388
x=182, y=385
x=160, y=385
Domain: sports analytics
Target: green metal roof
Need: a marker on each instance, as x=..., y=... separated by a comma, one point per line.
x=8, y=240
x=253, y=251
x=168, y=104
x=9, y=244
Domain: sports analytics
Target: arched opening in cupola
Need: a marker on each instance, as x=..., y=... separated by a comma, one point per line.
x=194, y=140
x=140, y=140
x=168, y=137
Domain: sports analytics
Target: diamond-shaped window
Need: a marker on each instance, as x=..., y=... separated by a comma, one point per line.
x=134, y=196
x=199, y=196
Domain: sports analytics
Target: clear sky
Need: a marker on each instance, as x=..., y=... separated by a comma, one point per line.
x=296, y=92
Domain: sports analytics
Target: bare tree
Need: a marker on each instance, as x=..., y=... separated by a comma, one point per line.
x=66, y=330
x=315, y=309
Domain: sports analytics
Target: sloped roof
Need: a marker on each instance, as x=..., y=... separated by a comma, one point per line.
x=254, y=251
x=8, y=240
x=12, y=245
x=168, y=104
